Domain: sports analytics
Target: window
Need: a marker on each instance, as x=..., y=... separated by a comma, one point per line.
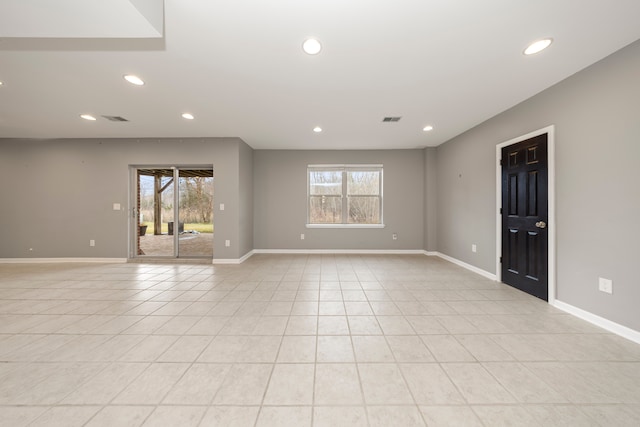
x=344, y=195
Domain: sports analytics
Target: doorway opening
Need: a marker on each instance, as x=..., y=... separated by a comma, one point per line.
x=525, y=220
x=173, y=214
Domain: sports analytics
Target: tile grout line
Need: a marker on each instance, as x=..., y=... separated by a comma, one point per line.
x=357, y=366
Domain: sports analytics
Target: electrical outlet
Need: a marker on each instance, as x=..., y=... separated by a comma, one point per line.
x=227, y=243
x=394, y=236
x=605, y=285
x=302, y=236
x=474, y=248
x=92, y=242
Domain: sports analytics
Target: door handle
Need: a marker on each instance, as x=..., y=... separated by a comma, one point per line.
x=541, y=224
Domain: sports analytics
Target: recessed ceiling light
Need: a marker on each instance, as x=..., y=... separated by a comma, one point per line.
x=311, y=46
x=188, y=116
x=135, y=80
x=317, y=129
x=427, y=128
x=538, y=46
x=88, y=117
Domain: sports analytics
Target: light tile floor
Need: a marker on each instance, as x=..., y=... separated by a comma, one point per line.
x=297, y=341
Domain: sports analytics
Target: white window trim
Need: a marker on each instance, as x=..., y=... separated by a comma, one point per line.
x=347, y=167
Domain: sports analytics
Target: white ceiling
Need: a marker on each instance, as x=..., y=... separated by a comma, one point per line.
x=238, y=66
x=81, y=18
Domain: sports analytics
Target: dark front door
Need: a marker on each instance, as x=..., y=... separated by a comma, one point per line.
x=524, y=216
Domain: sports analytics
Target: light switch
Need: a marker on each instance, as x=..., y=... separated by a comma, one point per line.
x=221, y=206
x=116, y=206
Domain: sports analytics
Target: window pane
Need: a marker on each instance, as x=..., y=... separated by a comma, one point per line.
x=364, y=210
x=325, y=182
x=325, y=209
x=363, y=182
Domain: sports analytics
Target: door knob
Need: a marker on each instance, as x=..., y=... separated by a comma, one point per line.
x=541, y=224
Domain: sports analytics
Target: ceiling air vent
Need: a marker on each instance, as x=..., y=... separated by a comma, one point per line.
x=391, y=119
x=116, y=118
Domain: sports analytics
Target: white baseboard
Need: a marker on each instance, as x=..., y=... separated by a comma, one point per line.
x=233, y=260
x=61, y=260
x=246, y=256
x=341, y=251
x=608, y=325
x=226, y=261
x=463, y=264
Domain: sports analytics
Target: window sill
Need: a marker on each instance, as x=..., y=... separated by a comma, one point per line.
x=345, y=225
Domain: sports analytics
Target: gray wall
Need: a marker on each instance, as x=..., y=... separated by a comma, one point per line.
x=280, y=200
x=58, y=194
x=465, y=201
x=597, y=117
x=245, y=189
x=430, y=200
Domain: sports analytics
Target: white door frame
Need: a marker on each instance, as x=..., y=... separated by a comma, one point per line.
x=551, y=194
x=134, y=217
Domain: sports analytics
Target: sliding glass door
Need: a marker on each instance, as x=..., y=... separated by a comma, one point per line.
x=164, y=194
x=195, y=213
